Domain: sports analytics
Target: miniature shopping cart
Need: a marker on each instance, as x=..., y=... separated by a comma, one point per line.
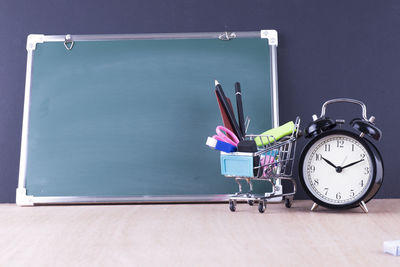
x=272, y=163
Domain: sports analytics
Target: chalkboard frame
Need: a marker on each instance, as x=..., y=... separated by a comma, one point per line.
x=23, y=199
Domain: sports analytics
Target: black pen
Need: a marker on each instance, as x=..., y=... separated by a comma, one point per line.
x=239, y=106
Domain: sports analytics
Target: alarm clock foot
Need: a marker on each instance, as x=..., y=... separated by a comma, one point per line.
x=314, y=206
x=363, y=206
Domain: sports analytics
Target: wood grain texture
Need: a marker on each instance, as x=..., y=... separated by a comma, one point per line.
x=197, y=235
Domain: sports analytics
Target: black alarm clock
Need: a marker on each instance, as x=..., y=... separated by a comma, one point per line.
x=338, y=168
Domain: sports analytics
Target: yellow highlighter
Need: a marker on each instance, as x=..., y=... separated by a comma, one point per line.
x=277, y=133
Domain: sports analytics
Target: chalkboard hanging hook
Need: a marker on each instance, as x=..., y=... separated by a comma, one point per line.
x=226, y=36
x=68, y=43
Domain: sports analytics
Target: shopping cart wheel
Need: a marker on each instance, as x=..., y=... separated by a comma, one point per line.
x=232, y=205
x=261, y=206
x=250, y=202
x=288, y=202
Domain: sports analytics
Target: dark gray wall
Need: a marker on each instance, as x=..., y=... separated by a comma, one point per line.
x=327, y=49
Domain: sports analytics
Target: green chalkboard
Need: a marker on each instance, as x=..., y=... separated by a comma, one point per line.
x=130, y=117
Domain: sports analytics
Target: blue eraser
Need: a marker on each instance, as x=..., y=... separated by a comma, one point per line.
x=221, y=146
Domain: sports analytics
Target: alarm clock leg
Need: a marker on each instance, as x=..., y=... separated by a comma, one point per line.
x=314, y=206
x=363, y=206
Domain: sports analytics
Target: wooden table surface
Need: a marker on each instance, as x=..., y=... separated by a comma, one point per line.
x=197, y=235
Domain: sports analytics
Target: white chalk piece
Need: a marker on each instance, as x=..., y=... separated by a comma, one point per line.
x=392, y=247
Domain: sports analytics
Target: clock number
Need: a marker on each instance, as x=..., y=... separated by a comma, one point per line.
x=311, y=168
x=362, y=155
x=340, y=143
x=316, y=181
x=362, y=183
x=338, y=196
x=318, y=157
x=327, y=147
x=352, y=194
x=352, y=147
x=326, y=190
x=366, y=170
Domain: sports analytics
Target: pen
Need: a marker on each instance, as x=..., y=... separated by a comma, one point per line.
x=239, y=106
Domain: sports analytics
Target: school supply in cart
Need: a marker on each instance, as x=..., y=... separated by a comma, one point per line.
x=239, y=106
x=225, y=140
x=224, y=115
x=220, y=145
x=276, y=133
x=226, y=135
x=228, y=110
x=247, y=146
x=250, y=146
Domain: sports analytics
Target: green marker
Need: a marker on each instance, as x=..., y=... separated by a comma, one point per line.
x=277, y=133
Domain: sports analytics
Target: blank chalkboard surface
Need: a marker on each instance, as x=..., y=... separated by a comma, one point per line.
x=121, y=118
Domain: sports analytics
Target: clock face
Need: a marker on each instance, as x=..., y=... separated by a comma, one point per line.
x=337, y=169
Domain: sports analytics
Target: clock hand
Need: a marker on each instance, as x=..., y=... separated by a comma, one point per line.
x=344, y=161
x=351, y=164
x=330, y=163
